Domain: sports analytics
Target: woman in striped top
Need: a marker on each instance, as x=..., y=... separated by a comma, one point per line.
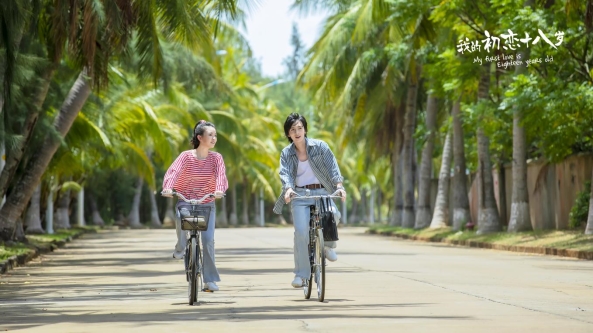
x=306, y=164
x=194, y=174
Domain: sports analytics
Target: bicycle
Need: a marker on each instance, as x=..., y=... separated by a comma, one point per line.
x=195, y=220
x=316, y=245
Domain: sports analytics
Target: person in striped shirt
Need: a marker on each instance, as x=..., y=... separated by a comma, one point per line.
x=306, y=164
x=195, y=173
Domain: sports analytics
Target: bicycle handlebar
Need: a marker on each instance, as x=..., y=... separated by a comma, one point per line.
x=295, y=196
x=193, y=201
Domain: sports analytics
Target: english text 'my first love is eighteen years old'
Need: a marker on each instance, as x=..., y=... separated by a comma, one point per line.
x=505, y=61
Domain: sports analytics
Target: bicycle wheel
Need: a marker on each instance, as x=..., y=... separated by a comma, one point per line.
x=192, y=274
x=309, y=282
x=319, y=265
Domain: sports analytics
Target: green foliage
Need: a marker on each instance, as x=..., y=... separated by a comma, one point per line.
x=580, y=210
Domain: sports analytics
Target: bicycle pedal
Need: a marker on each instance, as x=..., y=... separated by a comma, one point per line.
x=207, y=291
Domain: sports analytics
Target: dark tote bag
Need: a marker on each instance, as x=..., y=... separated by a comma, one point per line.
x=328, y=222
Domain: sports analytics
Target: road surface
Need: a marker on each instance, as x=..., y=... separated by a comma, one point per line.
x=126, y=281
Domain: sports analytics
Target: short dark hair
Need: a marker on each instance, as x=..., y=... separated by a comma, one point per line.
x=290, y=120
x=199, y=130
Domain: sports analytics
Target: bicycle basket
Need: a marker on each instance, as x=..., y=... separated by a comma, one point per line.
x=195, y=217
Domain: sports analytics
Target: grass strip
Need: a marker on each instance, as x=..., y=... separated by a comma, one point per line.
x=556, y=239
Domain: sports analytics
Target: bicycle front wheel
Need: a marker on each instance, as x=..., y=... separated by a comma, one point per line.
x=192, y=272
x=199, y=266
x=309, y=282
x=320, y=266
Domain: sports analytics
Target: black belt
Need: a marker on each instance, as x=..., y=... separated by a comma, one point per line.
x=311, y=186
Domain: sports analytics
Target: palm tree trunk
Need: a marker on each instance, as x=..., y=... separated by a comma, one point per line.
x=97, y=219
x=520, y=219
x=354, y=211
x=502, y=194
x=2, y=145
x=589, y=229
x=399, y=195
x=363, y=206
x=169, y=219
x=62, y=220
x=245, y=214
x=134, y=215
x=488, y=218
x=440, y=218
x=233, y=218
x=23, y=190
x=379, y=204
x=372, y=206
x=49, y=210
x=155, y=221
x=33, y=217
x=423, y=216
x=409, y=218
x=460, y=199
x=221, y=219
x=2, y=164
x=256, y=210
x=80, y=207
x=15, y=155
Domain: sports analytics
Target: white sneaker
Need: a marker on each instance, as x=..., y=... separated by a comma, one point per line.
x=178, y=255
x=330, y=254
x=211, y=286
x=297, y=282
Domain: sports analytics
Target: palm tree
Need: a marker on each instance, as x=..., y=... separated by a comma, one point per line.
x=33, y=218
x=520, y=219
x=589, y=229
x=424, y=216
x=460, y=199
x=184, y=20
x=488, y=218
x=440, y=218
x=355, y=64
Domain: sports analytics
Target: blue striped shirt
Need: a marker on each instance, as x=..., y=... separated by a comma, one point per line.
x=322, y=161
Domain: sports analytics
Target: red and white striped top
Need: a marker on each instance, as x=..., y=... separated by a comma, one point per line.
x=195, y=178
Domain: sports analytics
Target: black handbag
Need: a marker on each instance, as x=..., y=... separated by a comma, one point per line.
x=328, y=222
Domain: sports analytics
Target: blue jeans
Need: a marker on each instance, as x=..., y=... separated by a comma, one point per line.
x=300, y=210
x=210, y=271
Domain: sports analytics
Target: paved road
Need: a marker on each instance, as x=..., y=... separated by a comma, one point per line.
x=125, y=281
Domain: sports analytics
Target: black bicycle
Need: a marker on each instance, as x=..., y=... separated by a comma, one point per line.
x=194, y=219
x=316, y=245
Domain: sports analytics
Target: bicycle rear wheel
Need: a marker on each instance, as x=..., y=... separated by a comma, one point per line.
x=319, y=265
x=192, y=272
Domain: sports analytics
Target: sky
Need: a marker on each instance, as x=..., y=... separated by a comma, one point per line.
x=269, y=27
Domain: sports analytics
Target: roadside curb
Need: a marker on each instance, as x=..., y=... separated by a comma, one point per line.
x=34, y=252
x=587, y=255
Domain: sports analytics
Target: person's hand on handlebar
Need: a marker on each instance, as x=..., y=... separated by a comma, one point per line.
x=167, y=193
x=289, y=194
x=341, y=192
x=218, y=194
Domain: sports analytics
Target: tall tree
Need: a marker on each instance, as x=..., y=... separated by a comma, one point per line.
x=440, y=217
x=423, y=215
x=589, y=229
x=294, y=63
x=520, y=219
x=488, y=218
x=460, y=198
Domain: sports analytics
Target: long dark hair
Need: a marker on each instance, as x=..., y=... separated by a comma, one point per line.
x=199, y=130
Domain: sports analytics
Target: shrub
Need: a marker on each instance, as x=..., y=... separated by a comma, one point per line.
x=580, y=209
